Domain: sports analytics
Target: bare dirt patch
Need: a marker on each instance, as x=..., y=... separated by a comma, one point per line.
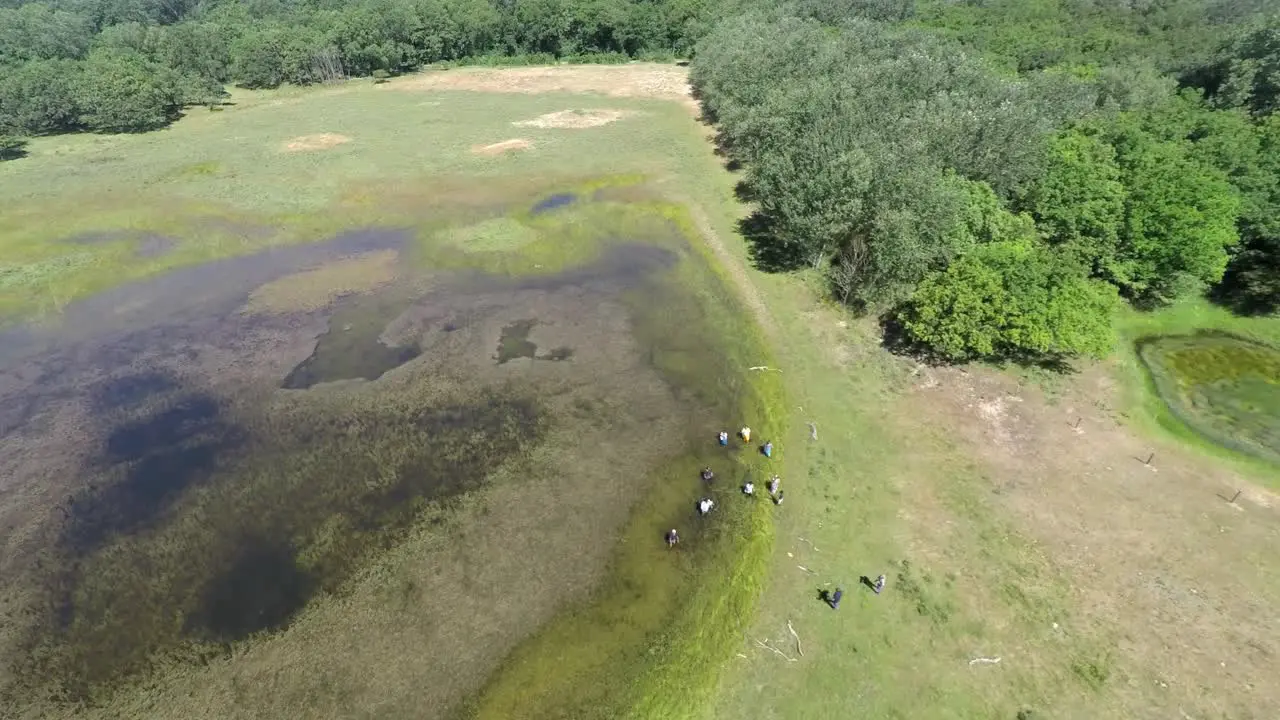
x=313, y=289
x=573, y=119
x=1157, y=560
x=638, y=80
x=310, y=143
x=502, y=148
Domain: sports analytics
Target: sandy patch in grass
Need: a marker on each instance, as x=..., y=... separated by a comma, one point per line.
x=313, y=289
x=573, y=119
x=501, y=148
x=643, y=80
x=321, y=141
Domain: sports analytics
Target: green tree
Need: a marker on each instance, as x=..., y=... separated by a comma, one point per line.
x=810, y=194
x=39, y=97
x=36, y=31
x=1252, y=282
x=1078, y=202
x=1180, y=218
x=121, y=91
x=1010, y=300
x=1248, y=75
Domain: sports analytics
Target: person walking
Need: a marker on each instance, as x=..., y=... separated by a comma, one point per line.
x=673, y=537
x=773, y=485
x=723, y=437
x=707, y=475
x=745, y=434
x=834, y=600
x=705, y=505
x=777, y=499
x=878, y=585
x=749, y=488
x=767, y=449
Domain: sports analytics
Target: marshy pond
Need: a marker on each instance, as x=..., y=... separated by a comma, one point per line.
x=1222, y=387
x=364, y=471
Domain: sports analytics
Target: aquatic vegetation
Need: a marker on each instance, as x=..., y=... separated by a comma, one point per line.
x=1224, y=387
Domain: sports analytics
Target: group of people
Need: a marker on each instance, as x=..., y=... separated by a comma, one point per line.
x=706, y=504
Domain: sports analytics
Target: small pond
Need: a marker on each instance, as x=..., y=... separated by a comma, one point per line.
x=1223, y=387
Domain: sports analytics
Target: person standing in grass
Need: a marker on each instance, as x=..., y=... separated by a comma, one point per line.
x=878, y=585
x=723, y=437
x=673, y=537
x=767, y=449
x=745, y=434
x=773, y=485
x=834, y=602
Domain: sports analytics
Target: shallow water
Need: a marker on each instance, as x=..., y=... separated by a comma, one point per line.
x=216, y=477
x=1222, y=387
x=553, y=202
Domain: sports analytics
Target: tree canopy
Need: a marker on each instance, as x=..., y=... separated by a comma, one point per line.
x=995, y=174
x=200, y=47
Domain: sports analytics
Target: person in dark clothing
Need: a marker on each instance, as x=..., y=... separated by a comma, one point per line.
x=878, y=586
x=673, y=537
x=834, y=601
x=777, y=499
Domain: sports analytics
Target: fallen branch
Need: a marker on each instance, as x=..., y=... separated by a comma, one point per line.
x=767, y=646
x=797, y=637
x=984, y=660
x=806, y=540
x=811, y=572
x=764, y=367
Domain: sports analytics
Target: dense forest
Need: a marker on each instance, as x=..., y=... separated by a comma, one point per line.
x=995, y=177
x=132, y=65
x=992, y=177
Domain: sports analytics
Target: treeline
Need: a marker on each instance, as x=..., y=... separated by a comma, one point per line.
x=132, y=65
x=993, y=186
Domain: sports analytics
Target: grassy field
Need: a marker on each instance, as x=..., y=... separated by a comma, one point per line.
x=1037, y=567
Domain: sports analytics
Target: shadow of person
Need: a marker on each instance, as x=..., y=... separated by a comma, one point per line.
x=824, y=595
x=868, y=582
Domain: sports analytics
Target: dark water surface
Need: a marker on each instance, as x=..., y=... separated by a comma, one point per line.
x=209, y=509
